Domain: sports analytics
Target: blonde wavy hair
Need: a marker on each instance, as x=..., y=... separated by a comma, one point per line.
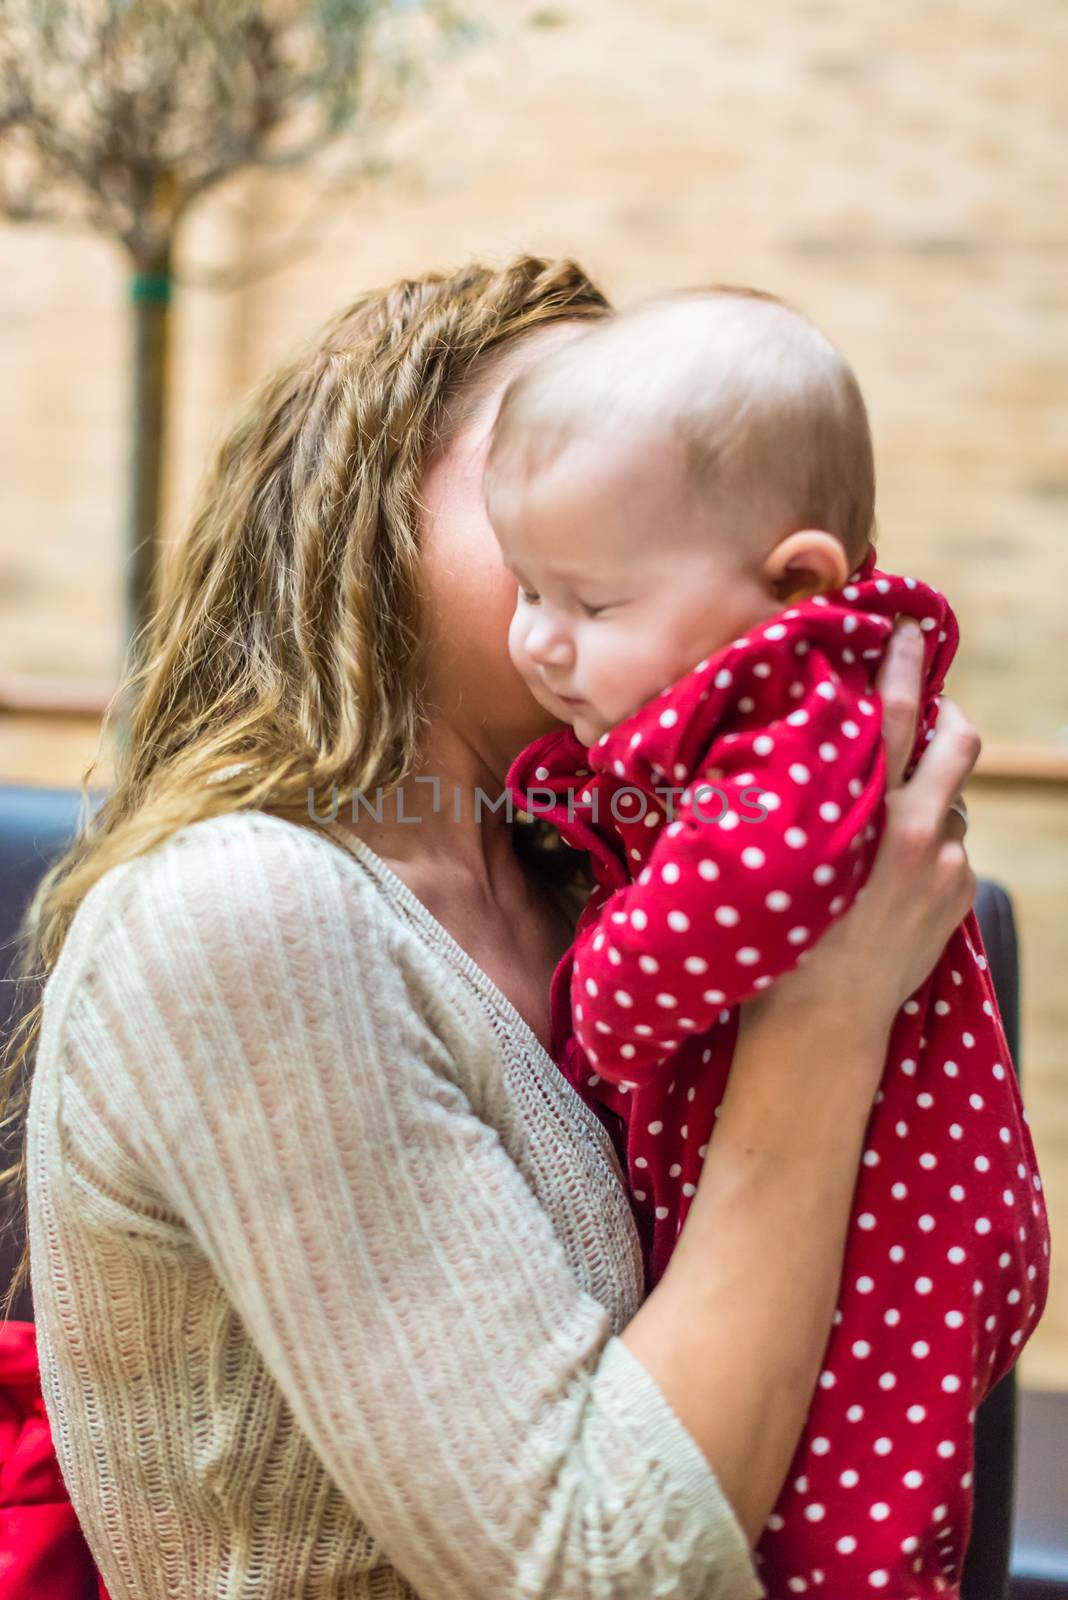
x=282, y=664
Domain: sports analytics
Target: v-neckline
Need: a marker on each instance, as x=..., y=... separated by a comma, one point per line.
x=437, y=931
x=477, y=976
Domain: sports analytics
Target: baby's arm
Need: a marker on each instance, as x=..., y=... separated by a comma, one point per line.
x=722, y=909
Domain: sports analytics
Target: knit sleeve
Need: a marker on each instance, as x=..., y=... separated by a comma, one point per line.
x=283, y=1085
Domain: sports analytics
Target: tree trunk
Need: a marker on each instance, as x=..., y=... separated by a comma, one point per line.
x=150, y=294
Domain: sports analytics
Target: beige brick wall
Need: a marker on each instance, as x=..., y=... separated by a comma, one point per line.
x=897, y=170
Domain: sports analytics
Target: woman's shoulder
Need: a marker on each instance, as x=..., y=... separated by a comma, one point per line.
x=246, y=886
x=239, y=857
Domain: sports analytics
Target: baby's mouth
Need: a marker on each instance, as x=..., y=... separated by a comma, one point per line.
x=568, y=700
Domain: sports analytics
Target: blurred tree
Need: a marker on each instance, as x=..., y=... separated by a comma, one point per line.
x=121, y=114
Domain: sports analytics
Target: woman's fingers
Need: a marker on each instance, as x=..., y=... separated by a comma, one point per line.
x=947, y=763
x=955, y=826
x=956, y=823
x=921, y=883
x=899, y=683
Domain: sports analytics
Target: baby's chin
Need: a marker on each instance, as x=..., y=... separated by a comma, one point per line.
x=587, y=727
x=555, y=713
x=584, y=726
x=586, y=723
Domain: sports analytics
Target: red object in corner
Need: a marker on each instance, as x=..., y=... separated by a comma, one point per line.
x=43, y=1553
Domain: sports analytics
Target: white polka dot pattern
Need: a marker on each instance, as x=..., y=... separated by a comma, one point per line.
x=947, y=1263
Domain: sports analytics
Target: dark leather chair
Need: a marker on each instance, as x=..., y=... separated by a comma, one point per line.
x=986, y=1570
x=35, y=826
x=1040, y=1548
x=1026, y=1519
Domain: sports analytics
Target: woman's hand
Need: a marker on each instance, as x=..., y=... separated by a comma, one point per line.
x=921, y=884
x=735, y=1330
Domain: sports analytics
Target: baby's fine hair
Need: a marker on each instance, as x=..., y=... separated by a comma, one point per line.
x=767, y=411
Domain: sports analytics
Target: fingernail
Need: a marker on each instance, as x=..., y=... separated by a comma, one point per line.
x=910, y=626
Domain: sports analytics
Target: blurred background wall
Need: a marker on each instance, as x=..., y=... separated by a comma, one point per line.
x=898, y=172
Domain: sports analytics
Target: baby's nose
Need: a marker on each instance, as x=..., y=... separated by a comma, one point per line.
x=550, y=645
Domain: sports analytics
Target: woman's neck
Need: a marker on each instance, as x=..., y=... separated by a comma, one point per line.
x=450, y=811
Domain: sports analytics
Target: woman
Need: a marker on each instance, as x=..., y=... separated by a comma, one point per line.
x=337, y=1286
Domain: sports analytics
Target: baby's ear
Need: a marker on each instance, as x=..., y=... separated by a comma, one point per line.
x=806, y=563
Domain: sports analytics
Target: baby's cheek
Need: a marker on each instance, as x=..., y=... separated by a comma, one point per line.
x=517, y=647
x=626, y=679
x=606, y=661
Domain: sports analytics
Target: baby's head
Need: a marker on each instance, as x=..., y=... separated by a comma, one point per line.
x=666, y=481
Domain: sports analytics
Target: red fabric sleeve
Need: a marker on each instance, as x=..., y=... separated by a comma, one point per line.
x=43, y=1553
x=786, y=732
x=720, y=910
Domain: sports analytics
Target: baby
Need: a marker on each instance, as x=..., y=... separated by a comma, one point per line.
x=685, y=495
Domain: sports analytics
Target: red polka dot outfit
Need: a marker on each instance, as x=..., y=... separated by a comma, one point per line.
x=730, y=821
